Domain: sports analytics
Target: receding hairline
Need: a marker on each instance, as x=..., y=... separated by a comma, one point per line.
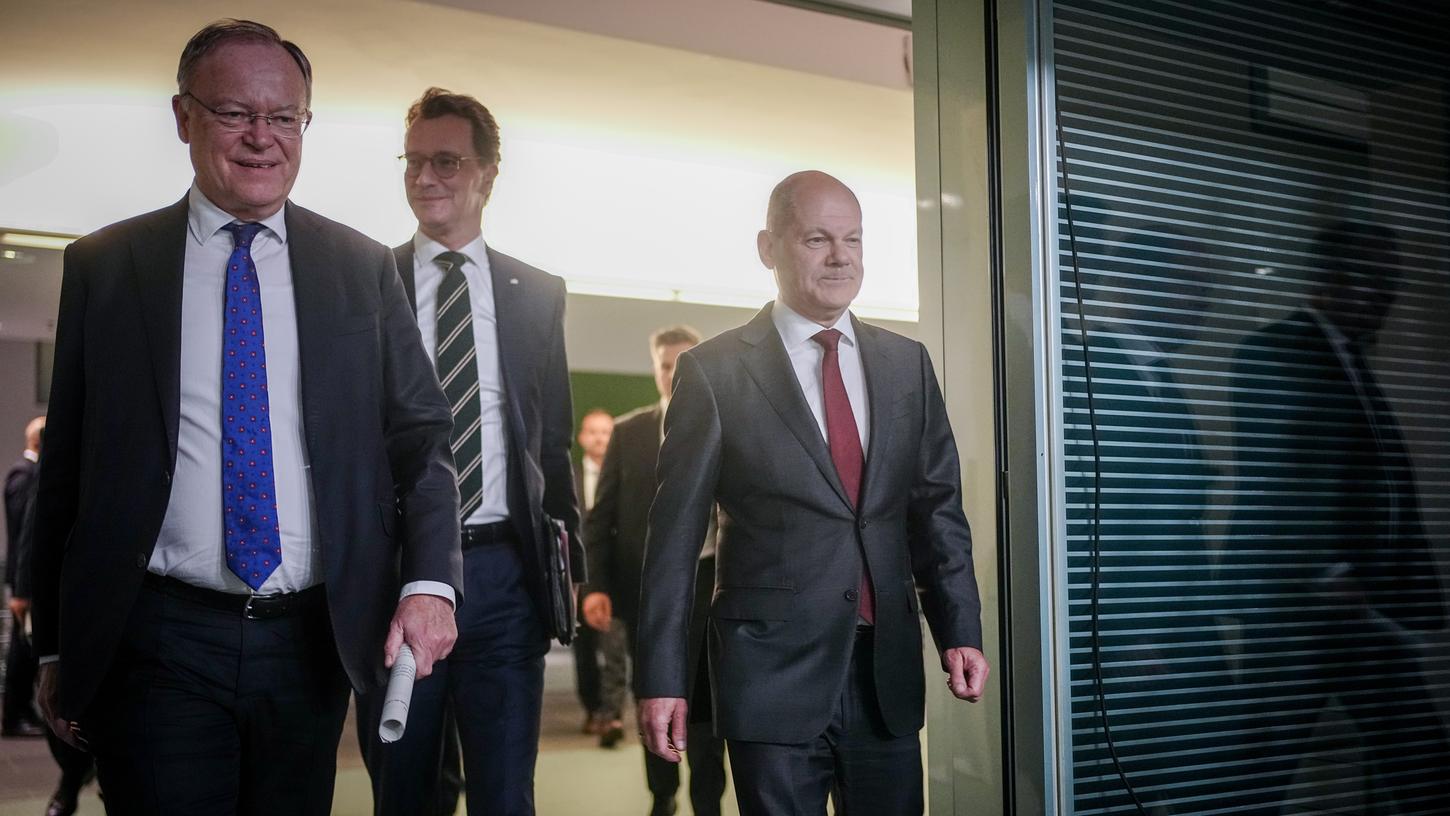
x=595, y=412
x=785, y=198
x=228, y=31
x=674, y=336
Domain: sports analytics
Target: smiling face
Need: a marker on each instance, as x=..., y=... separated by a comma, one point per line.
x=814, y=247
x=449, y=210
x=247, y=173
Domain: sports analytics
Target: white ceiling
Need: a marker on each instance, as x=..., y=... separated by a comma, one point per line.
x=757, y=31
x=757, y=86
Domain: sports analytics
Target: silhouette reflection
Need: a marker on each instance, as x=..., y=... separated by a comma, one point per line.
x=1325, y=493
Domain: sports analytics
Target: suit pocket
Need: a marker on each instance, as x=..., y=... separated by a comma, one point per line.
x=753, y=603
x=356, y=324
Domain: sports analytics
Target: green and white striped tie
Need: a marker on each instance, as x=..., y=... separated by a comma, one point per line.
x=458, y=372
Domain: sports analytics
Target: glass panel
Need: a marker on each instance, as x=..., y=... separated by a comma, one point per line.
x=1258, y=437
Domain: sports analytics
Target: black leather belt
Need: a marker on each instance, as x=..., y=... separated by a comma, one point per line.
x=496, y=534
x=251, y=607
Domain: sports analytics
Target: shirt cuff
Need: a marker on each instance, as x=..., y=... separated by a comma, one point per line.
x=438, y=588
x=48, y=659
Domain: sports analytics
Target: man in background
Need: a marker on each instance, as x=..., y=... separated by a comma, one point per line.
x=616, y=534
x=19, y=718
x=599, y=667
x=493, y=327
x=76, y=766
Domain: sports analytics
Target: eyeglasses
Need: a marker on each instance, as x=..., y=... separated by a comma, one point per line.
x=445, y=165
x=283, y=125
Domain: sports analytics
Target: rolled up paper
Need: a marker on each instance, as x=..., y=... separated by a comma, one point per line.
x=398, y=695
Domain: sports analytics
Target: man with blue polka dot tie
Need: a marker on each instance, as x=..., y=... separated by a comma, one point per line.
x=248, y=502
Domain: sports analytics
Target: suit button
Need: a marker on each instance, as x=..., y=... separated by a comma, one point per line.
x=166, y=476
x=141, y=560
x=861, y=524
x=852, y=595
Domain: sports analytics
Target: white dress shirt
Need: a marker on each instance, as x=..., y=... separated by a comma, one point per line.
x=427, y=276
x=806, y=355
x=190, y=546
x=591, y=481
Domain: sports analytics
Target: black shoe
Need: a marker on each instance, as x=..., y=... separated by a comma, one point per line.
x=665, y=808
x=612, y=734
x=23, y=729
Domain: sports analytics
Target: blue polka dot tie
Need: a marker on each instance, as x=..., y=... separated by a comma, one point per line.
x=249, y=499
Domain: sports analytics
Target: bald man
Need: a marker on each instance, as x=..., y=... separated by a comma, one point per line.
x=825, y=442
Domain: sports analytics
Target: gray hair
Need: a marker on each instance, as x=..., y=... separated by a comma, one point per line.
x=220, y=32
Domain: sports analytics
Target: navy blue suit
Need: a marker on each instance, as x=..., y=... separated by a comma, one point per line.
x=492, y=684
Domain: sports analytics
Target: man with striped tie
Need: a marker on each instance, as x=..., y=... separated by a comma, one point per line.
x=494, y=327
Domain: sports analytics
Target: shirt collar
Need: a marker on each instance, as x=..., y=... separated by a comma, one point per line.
x=205, y=219
x=30, y=455
x=795, y=328
x=591, y=467
x=426, y=249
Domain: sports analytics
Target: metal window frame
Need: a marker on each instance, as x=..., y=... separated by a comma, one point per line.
x=986, y=173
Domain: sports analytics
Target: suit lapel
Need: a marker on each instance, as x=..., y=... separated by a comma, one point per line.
x=880, y=379
x=403, y=258
x=769, y=365
x=316, y=293
x=158, y=262
x=513, y=322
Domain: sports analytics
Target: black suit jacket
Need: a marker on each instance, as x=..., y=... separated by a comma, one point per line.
x=620, y=519
x=1330, y=480
x=789, y=555
x=530, y=307
x=17, y=498
x=377, y=428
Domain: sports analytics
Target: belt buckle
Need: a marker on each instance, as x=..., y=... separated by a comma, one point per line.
x=262, y=612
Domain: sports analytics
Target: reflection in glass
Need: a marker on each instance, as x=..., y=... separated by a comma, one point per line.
x=1257, y=491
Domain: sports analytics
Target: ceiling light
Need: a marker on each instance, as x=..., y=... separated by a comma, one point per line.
x=32, y=240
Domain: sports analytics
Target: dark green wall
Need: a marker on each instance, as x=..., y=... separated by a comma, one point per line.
x=615, y=393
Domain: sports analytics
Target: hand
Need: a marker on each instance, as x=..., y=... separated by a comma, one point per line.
x=967, y=672
x=662, y=722
x=598, y=611
x=47, y=695
x=425, y=623
x=18, y=609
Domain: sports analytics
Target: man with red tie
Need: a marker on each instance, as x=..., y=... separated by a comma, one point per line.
x=825, y=442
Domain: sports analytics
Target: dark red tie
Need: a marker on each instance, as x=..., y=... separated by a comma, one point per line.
x=845, y=442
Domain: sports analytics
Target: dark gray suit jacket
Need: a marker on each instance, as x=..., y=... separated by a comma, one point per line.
x=530, y=307
x=377, y=428
x=790, y=548
x=17, y=499
x=620, y=519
